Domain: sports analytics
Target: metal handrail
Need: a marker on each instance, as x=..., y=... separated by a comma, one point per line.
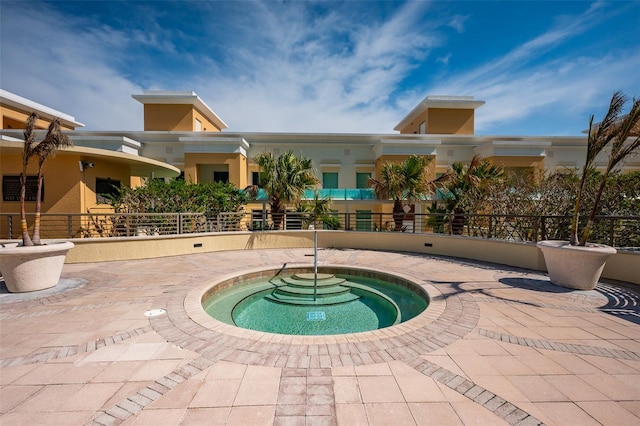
x=617, y=231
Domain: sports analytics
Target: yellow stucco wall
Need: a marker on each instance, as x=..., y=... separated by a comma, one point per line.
x=414, y=126
x=175, y=117
x=447, y=121
x=61, y=186
x=168, y=117
x=236, y=163
x=66, y=188
x=207, y=125
x=451, y=121
x=12, y=119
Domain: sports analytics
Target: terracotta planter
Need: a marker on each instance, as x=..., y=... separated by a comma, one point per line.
x=34, y=268
x=575, y=266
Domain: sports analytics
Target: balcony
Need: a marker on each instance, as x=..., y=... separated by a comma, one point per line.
x=337, y=194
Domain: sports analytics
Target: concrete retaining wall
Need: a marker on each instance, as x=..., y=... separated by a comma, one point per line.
x=624, y=266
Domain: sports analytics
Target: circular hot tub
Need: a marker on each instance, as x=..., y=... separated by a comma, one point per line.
x=297, y=301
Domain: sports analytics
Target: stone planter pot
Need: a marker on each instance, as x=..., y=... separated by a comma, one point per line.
x=575, y=266
x=34, y=268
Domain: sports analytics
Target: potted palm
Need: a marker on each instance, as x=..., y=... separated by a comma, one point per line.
x=34, y=264
x=578, y=263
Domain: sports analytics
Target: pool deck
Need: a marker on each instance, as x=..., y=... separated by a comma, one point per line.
x=500, y=346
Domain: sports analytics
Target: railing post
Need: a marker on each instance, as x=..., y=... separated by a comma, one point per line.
x=611, y=231
x=490, y=228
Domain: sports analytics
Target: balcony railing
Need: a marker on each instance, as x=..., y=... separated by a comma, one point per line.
x=617, y=231
x=337, y=194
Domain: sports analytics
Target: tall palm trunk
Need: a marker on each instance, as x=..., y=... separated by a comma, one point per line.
x=26, y=239
x=398, y=214
x=277, y=213
x=573, y=239
x=36, y=223
x=594, y=209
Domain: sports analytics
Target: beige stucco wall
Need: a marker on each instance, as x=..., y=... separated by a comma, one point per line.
x=622, y=266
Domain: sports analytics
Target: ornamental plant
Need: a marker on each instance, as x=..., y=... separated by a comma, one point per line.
x=43, y=150
x=619, y=136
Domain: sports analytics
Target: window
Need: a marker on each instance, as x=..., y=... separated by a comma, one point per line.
x=221, y=177
x=105, y=188
x=255, y=178
x=330, y=180
x=423, y=127
x=363, y=220
x=11, y=188
x=198, y=125
x=362, y=179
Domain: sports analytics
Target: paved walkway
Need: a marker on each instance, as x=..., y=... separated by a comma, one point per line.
x=497, y=346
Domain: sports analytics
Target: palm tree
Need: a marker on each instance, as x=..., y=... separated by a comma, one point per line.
x=402, y=181
x=316, y=209
x=285, y=179
x=53, y=140
x=613, y=132
x=462, y=178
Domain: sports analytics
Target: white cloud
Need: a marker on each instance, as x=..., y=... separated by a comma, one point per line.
x=457, y=22
x=70, y=72
x=284, y=67
x=328, y=75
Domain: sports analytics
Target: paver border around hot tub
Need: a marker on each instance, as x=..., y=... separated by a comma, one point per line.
x=194, y=299
x=448, y=318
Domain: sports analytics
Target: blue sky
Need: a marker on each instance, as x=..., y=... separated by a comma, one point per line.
x=543, y=67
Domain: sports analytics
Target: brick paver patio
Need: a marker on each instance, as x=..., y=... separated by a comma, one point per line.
x=497, y=346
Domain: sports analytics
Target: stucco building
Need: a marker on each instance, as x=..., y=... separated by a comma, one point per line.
x=182, y=134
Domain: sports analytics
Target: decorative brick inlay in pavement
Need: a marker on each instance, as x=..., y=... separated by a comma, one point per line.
x=136, y=402
x=562, y=347
x=71, y=350
x=305, y=396
x=478, y=310
x=497, y=405
x=458, y=318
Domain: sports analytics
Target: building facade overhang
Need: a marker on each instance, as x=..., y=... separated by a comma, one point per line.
x=109, y=143
x=18, y=103
x=505, y=148
x=218, y=145
x=405, y=147
x=137, y=165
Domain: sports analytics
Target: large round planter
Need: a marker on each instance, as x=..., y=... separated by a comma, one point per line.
x=575, y=267
x=34, y=268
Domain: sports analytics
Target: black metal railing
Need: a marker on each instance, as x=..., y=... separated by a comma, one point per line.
x=617, y=231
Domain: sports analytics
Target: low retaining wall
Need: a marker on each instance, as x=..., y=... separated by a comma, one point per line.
x=623, y=266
